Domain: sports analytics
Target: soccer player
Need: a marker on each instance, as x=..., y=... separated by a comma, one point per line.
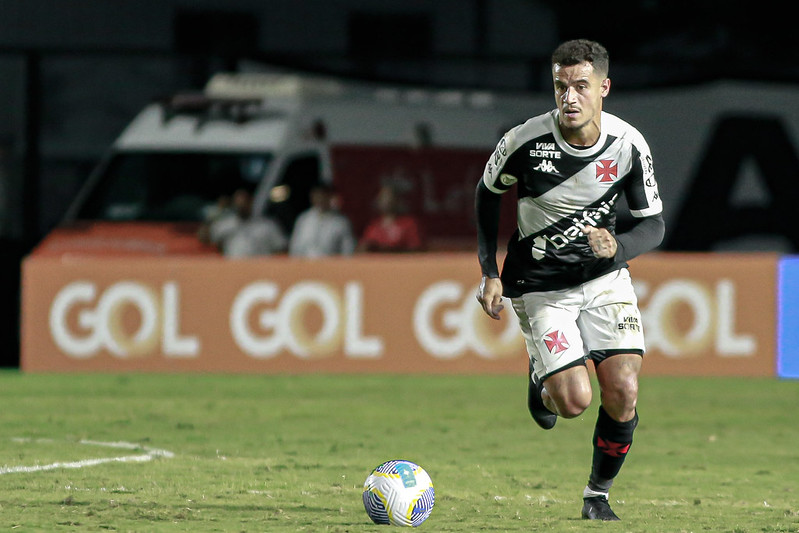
x=565, y=271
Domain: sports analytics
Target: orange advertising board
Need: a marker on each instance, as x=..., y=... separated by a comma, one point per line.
x=703, y=314
x=708, y=314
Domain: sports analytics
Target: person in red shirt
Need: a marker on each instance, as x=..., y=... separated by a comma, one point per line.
x=392, y=230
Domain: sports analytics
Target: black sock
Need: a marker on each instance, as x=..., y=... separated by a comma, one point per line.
x=612, y=441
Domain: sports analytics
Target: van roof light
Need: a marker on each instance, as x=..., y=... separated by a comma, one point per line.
x=237, y=109
x=270, y=85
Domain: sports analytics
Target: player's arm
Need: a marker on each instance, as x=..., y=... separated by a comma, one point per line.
x=498, y=177
x=645, y=205
x=644, y=236
x=487, y=207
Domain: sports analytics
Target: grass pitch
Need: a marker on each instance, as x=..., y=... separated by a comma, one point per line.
x=290, y=453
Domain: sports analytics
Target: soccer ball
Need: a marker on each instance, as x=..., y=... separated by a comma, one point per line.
x=399, y=493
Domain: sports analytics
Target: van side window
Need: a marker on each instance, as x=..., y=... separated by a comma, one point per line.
x=169, y=186
x=290, y=196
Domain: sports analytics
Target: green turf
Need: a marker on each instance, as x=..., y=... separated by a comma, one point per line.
x=290, y=453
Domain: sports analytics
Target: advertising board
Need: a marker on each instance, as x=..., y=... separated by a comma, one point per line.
x=703, y=314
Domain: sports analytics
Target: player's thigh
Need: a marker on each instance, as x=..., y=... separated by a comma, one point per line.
x=618, y=384
x=548, y=322
x=570, y=389
x=619, y=373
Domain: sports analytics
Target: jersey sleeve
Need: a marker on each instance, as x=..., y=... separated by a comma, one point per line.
x=499, y=175
x=487, y=206
x=641, y=191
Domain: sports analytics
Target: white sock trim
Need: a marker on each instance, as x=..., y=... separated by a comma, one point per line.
x=588, y=493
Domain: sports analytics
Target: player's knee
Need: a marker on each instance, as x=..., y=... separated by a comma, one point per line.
x=574, y=408
x=618, y=380
x=627, y=390
x=573, y=404
x=620, y=397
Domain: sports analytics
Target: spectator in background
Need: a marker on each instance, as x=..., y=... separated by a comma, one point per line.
x=393, y=230
x=239, y=233
x=321, y=230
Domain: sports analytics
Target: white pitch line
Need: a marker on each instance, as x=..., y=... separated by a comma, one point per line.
x=155, y=452
x=149, y=455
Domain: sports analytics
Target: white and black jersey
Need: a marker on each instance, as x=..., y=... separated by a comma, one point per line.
x=561, y=190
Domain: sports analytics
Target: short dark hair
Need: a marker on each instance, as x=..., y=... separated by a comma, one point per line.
x=579, y=50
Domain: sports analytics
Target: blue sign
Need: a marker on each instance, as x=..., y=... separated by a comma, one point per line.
x=788, y=317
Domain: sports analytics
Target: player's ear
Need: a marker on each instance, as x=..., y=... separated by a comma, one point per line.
x=605, y=87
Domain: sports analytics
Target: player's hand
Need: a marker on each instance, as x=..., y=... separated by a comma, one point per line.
x=602, y=243
x=490, y=296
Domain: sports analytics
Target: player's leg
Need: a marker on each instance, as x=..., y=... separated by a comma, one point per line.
x=567, y=392
x=618, y=385
x=559, y=382
x=543, y=416
x=611, y=329
x=613, y=432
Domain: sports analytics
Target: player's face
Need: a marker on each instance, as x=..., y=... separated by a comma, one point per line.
x=579, y=91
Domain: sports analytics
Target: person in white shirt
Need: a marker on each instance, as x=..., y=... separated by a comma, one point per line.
x=240, y=234
x=322, y=230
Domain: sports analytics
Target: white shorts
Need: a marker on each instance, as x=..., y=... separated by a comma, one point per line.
x=594, y=320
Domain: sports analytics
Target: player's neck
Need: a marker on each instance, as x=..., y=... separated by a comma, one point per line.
x=584, y=137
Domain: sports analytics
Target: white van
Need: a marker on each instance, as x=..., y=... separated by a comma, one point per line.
x=277, y=135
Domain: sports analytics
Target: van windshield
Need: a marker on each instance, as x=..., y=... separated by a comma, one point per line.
x=170, y=186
